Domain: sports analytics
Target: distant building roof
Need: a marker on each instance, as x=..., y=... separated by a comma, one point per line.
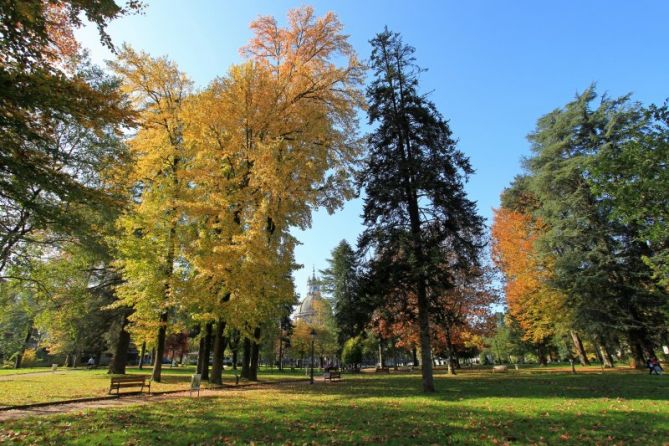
x=306, y=311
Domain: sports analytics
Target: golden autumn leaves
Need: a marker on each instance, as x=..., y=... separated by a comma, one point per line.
x=532, y=302
x=221, y=174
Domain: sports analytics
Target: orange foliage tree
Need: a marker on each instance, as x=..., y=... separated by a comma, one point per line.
x=538, y=308
x=459, y=318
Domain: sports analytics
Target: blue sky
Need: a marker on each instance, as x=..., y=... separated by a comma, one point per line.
x=494, y=67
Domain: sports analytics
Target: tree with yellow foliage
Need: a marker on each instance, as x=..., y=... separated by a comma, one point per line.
x=153, y=228
x=273, y=139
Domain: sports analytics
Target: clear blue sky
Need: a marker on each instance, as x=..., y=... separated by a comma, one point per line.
x=494, y=68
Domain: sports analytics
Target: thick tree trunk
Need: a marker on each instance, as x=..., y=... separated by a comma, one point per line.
x=24, y=346
x=207, y=350
x=255, y=354
x=246, y=358
x=607, y=358
x=219, y=349
x=580, y=351
x=141, y=355
x=541, y=354
x=425, y=342
x=598, y=352
x=160, y=348
x=120, y=358
x=637, y=359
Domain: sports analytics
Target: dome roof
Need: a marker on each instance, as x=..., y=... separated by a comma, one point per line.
x=306, y=310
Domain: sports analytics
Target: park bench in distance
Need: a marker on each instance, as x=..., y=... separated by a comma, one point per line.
x=129, y=381
x=331, y=374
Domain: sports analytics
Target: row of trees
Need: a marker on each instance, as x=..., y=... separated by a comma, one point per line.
x=136, y=206
x=581, y=237
x=161, y=208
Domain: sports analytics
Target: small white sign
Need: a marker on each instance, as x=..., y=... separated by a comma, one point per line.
x=195, y=381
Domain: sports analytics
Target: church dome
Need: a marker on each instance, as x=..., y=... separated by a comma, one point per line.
x=306, y=310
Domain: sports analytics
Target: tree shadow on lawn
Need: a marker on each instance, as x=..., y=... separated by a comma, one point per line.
x=558, y=385
x=248, y=418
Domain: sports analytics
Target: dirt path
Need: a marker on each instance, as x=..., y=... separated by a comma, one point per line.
x=55, y=409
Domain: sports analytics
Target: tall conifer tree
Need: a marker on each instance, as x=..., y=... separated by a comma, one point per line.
x=416, y=211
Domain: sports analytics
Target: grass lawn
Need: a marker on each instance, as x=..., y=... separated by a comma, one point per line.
x=471, y=408
x=5, y=372
x=82, y=383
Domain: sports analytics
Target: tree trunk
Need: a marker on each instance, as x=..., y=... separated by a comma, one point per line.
x=120, y=358
x=414, y=352
x=451, y=352
x=255, y=354
x=67, y=360
x=219, y=349
x=246, y=358
x=280, y=353
x=382, y=359
x=637, y=360
x=207, y=350
x=580, y=351
x=234, y=348
x=425, y=343
x=24, y=346
x=200, y=355
x=607, y=358
x=598, y=353
x=141, y=355
x=160, y=348
x=541, y=354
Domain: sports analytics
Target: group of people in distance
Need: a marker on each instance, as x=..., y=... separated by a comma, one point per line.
x=654, y=366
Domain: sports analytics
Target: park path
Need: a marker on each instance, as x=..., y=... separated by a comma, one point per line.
x=138, y=399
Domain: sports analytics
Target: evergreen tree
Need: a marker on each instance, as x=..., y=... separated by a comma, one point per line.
x=340, y=282
x=414, y=179
x=598, y=260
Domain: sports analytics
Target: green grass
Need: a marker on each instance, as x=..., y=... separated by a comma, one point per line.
x=471, y=408
x=82, y=383
x=22, y=371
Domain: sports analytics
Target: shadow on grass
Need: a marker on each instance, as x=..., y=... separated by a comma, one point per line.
x=471, y=386
x=320, y=419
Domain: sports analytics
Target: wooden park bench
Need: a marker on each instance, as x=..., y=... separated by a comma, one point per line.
x=129, y=381
x=383, y=370
x=331, y=374
x=500, y=368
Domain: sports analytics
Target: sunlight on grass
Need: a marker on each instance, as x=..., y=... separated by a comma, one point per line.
x=71, y=384
x=470, y=408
